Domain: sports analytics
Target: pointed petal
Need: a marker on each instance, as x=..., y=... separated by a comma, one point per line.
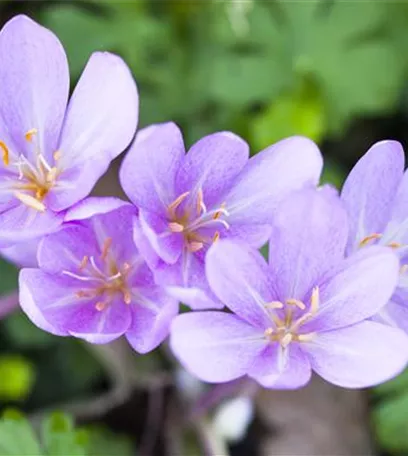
x=22, y=255
x=149, y=169
x=370, y=189
x=215, y=346
x=93, y=205
x=308, y=238
x=277, y=369
x=357, y=289
x=239, y=277
x=360, y=355
x=34, y=80
x=270, y=176
x=211, y=165
x=100, y=122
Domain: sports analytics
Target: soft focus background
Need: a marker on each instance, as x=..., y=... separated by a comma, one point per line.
x=336, y=71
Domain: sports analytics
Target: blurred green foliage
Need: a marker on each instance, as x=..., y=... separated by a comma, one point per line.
x=58, y=437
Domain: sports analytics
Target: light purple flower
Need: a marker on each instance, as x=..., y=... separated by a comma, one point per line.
x=305, y=311
x=92, y=282
x=376, y=197
x=51, y=153
x=188, y=201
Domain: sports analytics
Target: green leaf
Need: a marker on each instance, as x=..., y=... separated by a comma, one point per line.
x=9, y=277
x=17, y=437
x=395, y=386
x=17, y=377
x=60, y=438
x=102, y=442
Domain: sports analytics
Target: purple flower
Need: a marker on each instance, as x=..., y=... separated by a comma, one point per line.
x=305, y=311
x=376, y=197
x=92, y=282
x=52, y=154
x=188, y=201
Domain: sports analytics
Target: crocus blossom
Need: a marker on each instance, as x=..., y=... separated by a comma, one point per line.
x=51, y=153
x=307, y=310
x=188, y=201
x=92, y=282
x=376, y=197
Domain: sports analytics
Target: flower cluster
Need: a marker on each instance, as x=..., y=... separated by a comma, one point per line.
x=333, y=297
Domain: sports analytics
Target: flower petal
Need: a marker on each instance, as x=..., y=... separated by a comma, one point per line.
x=215, y=346
x=34, y=80
x=148, y=172
x=34, y=292
x=370, y=189
x=270, y=176
x=21, y=224
x=211, y=165
x=239, y=277
x=357, y=289
x=100, y=122
x=22, y=255
x=151, y=320
x=308, y=238
x=93, y=205
x=272, y=371
x=360, y=355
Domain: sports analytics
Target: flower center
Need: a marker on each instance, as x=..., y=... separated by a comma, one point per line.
x=286, y=328
x=199, y=225
x=105, y=281
x=34, y=181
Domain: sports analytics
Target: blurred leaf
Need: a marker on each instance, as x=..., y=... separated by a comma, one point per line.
x=102, y=442
x=333, y=174
x=300, y=113
x=9, y=275
x=17, y=377
x=24, y=334
x=397, y=385
x=17, y=437
x=59, y=437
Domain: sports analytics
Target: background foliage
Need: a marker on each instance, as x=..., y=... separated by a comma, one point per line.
x=332, y=70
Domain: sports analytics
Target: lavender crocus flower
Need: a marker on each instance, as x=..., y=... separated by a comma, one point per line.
x=52, y=154
x=188, y=201
x=92, y=282
x=376, y=197
x=305, y=311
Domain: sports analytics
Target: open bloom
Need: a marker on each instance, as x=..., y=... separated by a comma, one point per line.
x=305, y=311
x=92, y=282
x=376, y=197
x=52, y=154
x=188, y=201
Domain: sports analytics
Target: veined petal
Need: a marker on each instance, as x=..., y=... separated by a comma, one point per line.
x=240, y=278
x=309, y=236
x=22, y=255
x=100, y=122
x=357, y=289
x=148, y=172
x=370, y=189
x=93, y=205
x=282, y=369
x=215, y=346
x=270, y=176
x=34, y=80
x=212, y=165
x=360, y=355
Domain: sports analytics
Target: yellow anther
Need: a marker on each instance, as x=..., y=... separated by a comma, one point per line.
x=176, y=203
x=84, y=294
x=218, y=213
x=84, y=262
x=274, y=305
x=127, y=296
x=51, y=175
x=105, y=248
x=57, y=155
x=306, y=337
x=286, y=340
x=314, y=300
x=195, y=246
x=200, y=202
x=30, y=133
x=394, y=245
x=30, y=201
x=176, y=227
x=216, y=236
x=296, y=302
x=101, y=305
x=369, y=238
x=268, y=332
x=4, y=148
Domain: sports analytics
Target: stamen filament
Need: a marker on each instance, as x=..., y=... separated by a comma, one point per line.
x=105, y=248
x=83, y=263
